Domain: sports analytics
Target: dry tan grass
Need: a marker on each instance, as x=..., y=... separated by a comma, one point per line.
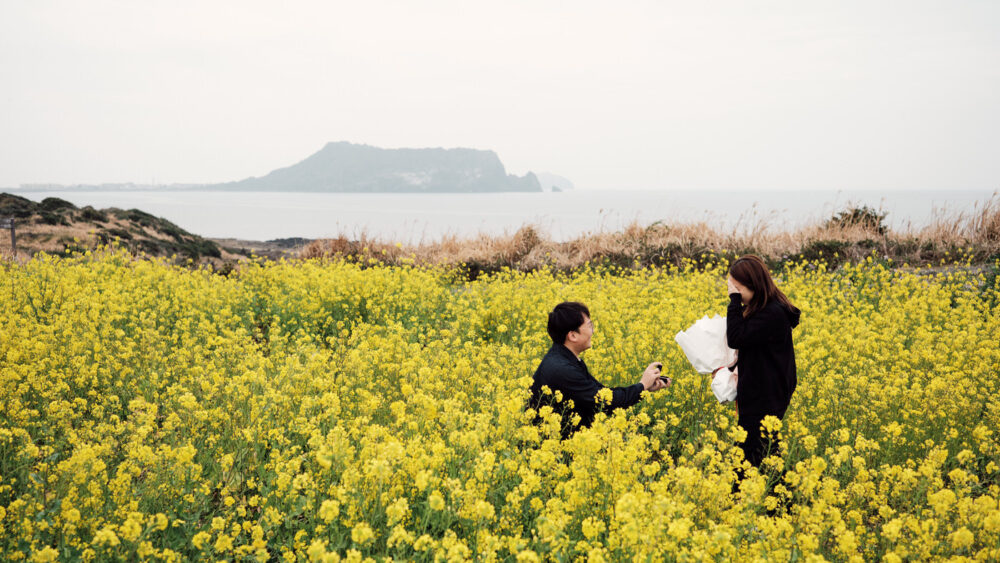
x=33, y=237
x=659, y=243
x=976, y=231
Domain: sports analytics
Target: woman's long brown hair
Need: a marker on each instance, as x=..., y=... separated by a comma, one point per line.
x=752, y=272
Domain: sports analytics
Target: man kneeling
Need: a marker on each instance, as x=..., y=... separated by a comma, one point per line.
x=562, y=369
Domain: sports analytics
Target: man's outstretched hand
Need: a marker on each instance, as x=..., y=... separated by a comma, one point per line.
x=651, y=378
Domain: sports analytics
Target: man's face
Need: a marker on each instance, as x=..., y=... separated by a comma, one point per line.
x=580, y=338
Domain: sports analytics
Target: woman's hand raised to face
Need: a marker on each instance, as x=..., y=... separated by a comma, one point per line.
x=730, y=286
x=735, y=287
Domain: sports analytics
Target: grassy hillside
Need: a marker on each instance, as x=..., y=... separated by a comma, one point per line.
x=55, y=225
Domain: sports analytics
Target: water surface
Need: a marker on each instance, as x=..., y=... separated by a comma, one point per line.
x=415, y=217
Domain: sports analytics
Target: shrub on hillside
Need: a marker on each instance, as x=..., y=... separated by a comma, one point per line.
x=863, y=217
x=56, y=204
x=50, y=218
x=108, y=235
x=16, y=206
x=92, y=215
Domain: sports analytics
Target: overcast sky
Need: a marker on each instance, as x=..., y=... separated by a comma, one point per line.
x=625, y=95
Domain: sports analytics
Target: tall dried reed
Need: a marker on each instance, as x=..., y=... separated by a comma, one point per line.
x=975, y=233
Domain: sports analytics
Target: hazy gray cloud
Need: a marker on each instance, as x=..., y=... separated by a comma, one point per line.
x=882, y=95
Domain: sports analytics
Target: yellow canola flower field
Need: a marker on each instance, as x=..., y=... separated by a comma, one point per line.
x=325, y=411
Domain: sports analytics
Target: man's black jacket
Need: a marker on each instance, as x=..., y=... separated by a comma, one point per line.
x=561, y=370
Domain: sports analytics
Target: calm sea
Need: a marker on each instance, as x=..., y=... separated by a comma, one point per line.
x=415, y=217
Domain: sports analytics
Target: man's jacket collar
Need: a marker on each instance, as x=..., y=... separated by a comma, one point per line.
x=565, y=352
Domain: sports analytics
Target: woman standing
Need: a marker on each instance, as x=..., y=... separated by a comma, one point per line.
x=759, y=326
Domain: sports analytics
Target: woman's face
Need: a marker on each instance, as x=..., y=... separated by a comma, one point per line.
x=746, y=294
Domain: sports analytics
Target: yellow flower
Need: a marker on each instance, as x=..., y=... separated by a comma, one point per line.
x=130, y=530
x=596, y=555
x=422, y=480
x=423, y=543
x=200, y=539
x=45, y=555
x=226, y=462
x=435, y=501
x=223, y=543
x=484, y=510
x=605, y=395
x=809, y=443
x=992, y=522
x=892, y=528
x=397, y=511
x=160, y=521
x=651, y=469
x=317, y=549
x=329, y=510
x=771, y=424
x=105, y=536
x=72, y=515
x=679, y=528
x=362, y=533
x=962, y=539
x=942, y=501
x=399, y=535
x=145, y=550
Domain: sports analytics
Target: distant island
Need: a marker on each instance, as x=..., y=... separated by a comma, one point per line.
x=352, y=168
x=347, y=167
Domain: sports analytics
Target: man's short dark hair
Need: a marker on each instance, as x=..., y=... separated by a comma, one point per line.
x=566, y=317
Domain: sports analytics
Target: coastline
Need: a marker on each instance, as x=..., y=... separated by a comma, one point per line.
x=563, y=216
x=852, y=233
